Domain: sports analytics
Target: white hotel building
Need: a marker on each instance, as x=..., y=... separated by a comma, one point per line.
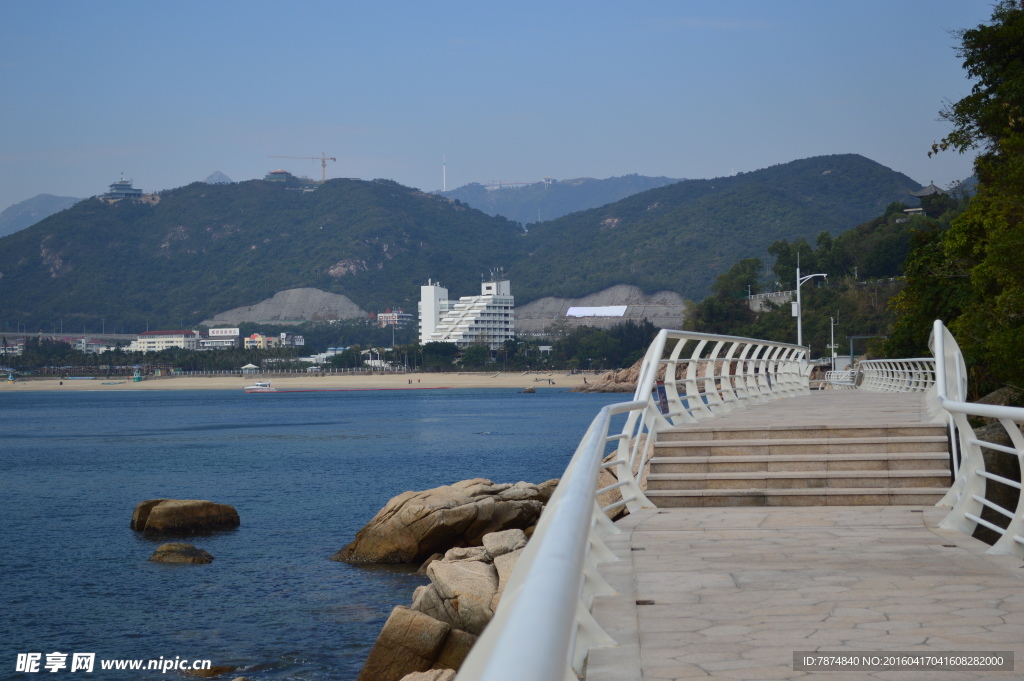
x=488, y=318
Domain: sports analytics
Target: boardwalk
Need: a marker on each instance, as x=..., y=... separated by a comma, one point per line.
x=732, y=593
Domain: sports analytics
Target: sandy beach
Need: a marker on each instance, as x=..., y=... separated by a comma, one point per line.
x=422, y=381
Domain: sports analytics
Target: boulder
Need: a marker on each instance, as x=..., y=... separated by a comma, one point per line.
x=213, y=672
x=431, y=675
x=461, y=593
x=409, y=642
x=455, y=650
x=500, y=543
x=467, y=553
x=183, y=517
x=414, y=525
x=180, y=552
x=504, y=565
x=427, y=562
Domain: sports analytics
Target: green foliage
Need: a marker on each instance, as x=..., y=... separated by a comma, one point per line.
x=476, y=356
x=438, y=355
x=204, y=249
x=680, y=237
x=586, y=347
x=970, y=275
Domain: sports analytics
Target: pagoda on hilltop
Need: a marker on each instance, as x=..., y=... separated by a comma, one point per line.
x=122, y=189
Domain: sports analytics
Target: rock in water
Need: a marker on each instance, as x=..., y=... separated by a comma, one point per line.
x=180, y=552
x=183, y=517
x=414, y=525
x=409, y=642
x=431, y=675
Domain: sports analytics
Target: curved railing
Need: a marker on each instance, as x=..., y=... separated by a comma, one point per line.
x=542, y=628
x=844, y=379
x=967, y=495
x=897, y=375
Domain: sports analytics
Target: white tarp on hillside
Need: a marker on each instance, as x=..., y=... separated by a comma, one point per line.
x=606, y=311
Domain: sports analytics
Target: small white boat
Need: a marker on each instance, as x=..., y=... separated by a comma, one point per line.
x=260, y=387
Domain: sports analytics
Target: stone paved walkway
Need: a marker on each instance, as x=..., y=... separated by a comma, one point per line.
x=731, y=593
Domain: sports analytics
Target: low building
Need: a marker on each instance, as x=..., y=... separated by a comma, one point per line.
x=155, y=341
x=221, y=339
x=261, y=342
x=90, y=346
x=14, y=347
x=285, y=339
x=396, y=318
x=487, y=319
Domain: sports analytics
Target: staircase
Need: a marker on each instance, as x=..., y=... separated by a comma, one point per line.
x=800, y=465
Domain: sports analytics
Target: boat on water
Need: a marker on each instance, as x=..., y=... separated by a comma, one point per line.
x=260, y=387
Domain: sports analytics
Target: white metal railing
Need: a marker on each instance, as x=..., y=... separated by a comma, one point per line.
x=897, y=375
x=967, y=493
x=543, y=628
x=845, y=379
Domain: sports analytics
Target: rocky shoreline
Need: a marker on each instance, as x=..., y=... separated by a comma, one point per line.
x=468, y=537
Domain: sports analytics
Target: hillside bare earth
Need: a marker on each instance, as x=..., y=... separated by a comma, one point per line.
x=293, y=306
x=664, y=309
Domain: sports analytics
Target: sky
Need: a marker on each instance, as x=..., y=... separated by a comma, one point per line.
x=169, y=92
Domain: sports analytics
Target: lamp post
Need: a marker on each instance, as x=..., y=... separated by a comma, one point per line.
x=799, y=309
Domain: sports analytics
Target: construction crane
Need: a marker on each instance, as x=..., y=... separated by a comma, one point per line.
x=323, y=158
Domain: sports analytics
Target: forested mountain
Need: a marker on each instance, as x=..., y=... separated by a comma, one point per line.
x=552, y=199
x=679, y=237
x=30, y=211
x=202, y=249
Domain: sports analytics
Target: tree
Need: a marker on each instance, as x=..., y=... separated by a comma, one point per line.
x=985, y=242
x=439, y=355
x=476, y=356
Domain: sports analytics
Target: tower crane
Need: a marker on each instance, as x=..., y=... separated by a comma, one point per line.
x=323, y=158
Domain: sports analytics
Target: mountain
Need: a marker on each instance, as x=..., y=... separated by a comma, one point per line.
x=217, y=177
x=681, y=236
x=552, y=199
x=203, y=249
x=30, y=211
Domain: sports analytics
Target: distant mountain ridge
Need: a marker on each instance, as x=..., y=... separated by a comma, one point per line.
x=30, y=211
x=204, y=249
x=552, y=199
x=680, y=236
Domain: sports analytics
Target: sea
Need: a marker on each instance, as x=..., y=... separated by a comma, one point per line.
x=304, y=470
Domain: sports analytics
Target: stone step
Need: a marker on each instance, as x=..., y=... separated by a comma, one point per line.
x=812, y=445
x=823, y=496
x=801, y=462
x=799, y=480
x=712, y=432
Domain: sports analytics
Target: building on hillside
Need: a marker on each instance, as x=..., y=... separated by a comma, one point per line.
x=155, y=341
x=91, y=347
x=221, y=339
x=261, y=342
x=396, y=318
x=258, y=340
x=278, y=176
x=13, y=347
x=488, y=318
x=928, y=191
x=122, y=189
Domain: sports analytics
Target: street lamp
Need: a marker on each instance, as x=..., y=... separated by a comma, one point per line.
x=799, y=309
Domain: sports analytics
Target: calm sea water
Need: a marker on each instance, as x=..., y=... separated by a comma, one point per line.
x=305, y=471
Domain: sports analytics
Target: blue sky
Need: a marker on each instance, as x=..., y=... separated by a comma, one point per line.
x=169, y=92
